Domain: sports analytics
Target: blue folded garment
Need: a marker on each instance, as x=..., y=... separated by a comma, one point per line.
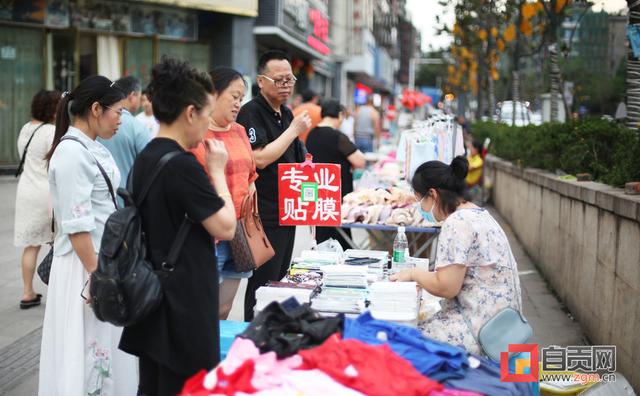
x=437, y=360
x=485, y=379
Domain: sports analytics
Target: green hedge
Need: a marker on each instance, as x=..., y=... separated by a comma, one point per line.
x=607, y=150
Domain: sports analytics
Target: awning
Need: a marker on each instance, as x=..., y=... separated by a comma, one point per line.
x=236, y=7
x=369, y=81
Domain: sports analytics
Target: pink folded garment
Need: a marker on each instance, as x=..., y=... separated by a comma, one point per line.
x=400, y=217
x=307, y=383
x=385, y=214
x=268, y=369
x=357, y=214
x=453, y=392
x=373, y=214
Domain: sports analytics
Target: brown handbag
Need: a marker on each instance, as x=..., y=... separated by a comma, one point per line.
x=250, y=247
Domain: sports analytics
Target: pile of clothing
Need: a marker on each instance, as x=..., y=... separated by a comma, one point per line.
x=289, y=349
x=393, y=207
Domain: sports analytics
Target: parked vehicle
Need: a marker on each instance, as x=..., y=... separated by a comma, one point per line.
x=523, y=115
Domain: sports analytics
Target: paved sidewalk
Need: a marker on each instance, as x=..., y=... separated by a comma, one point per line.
x=551, y=322
x=20, y=330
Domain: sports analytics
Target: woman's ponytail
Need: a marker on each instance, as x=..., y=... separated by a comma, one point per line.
x=62, y=122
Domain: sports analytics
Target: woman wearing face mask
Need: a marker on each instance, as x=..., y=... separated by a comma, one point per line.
x=475, y=271
x=240, y=171
x=79, y=354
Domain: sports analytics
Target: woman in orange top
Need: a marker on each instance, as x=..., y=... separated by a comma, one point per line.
x=240, y=170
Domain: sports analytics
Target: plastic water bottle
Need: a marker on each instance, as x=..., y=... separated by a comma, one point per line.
x=400, y=248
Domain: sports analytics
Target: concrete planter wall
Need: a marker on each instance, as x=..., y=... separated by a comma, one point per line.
x=585, y=239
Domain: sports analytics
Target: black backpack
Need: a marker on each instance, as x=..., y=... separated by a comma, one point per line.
x=125, y=288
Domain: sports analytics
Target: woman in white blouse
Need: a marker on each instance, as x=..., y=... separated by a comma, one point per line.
x=33, y=204
x=80, y=354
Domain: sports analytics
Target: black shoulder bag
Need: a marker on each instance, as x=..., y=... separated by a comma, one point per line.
x=24, y=152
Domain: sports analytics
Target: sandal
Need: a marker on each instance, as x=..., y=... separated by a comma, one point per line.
x=26, y=304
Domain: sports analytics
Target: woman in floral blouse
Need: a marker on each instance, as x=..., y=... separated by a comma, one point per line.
x=475, y=271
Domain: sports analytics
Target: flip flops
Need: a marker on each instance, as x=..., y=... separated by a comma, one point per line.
x=26, y=304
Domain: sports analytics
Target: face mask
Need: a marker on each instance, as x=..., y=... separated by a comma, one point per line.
x=427, y=215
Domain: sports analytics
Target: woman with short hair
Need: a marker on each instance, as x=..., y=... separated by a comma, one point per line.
x=33, y=203
x=181, y=337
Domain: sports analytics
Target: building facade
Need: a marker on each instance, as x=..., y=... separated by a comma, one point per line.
x=347, y=49
x=301, y=29
x=54, y=44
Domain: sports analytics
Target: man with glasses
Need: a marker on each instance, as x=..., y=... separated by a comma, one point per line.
x=132, y=135
x=273, y=133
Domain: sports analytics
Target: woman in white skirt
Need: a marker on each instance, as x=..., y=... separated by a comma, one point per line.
x=79, y=354
x=32, y=227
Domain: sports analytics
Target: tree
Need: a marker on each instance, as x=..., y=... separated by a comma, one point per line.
x=478, y=43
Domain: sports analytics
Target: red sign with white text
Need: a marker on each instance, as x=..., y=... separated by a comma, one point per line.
x=320, y=37
x=309, y=194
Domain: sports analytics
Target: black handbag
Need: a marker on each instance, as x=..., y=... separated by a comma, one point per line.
x=44, y=268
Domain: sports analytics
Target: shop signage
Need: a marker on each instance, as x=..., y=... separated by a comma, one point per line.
x=320, y=37
x=308, y=21
x=237, y=7
x=298, y=10
x=309, y=194
x=360, y=93
x=135, y=18
x=53, y=13
x=8, y=53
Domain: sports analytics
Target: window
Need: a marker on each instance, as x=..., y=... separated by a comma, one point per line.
x=21, y=65
x=195, y=53
x=138, y=59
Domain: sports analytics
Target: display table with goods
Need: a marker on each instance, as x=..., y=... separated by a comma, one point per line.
x=380, y=211
x=336, y=326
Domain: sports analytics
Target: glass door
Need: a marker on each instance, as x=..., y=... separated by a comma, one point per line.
x=138, y=58
x=61, y=71
x=21, y=66
x=87, y=55
x=195, y=53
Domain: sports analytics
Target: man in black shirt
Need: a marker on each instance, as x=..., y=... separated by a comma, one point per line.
x=329, y=145
x=273, y=133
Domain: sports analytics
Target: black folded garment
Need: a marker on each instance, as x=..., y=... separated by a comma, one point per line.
x=287, y=327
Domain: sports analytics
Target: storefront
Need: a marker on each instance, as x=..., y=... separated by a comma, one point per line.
x=54, y=44
x=301, y=29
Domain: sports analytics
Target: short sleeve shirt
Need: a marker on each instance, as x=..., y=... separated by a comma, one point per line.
x=331, y=146
x=240, y=171
x=182, y=333
x=264, y=125
x=472, y=237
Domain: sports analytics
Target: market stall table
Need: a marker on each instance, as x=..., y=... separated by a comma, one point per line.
x=386, y=235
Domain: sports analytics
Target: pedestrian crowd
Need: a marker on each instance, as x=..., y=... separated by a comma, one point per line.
x=188, y=163
x=82, y=145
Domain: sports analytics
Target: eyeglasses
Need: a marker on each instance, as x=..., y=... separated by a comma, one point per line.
x=118, y=112
x=281, y=82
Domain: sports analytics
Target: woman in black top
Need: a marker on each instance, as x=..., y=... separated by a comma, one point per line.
x=182, y=336
x=330, y=146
